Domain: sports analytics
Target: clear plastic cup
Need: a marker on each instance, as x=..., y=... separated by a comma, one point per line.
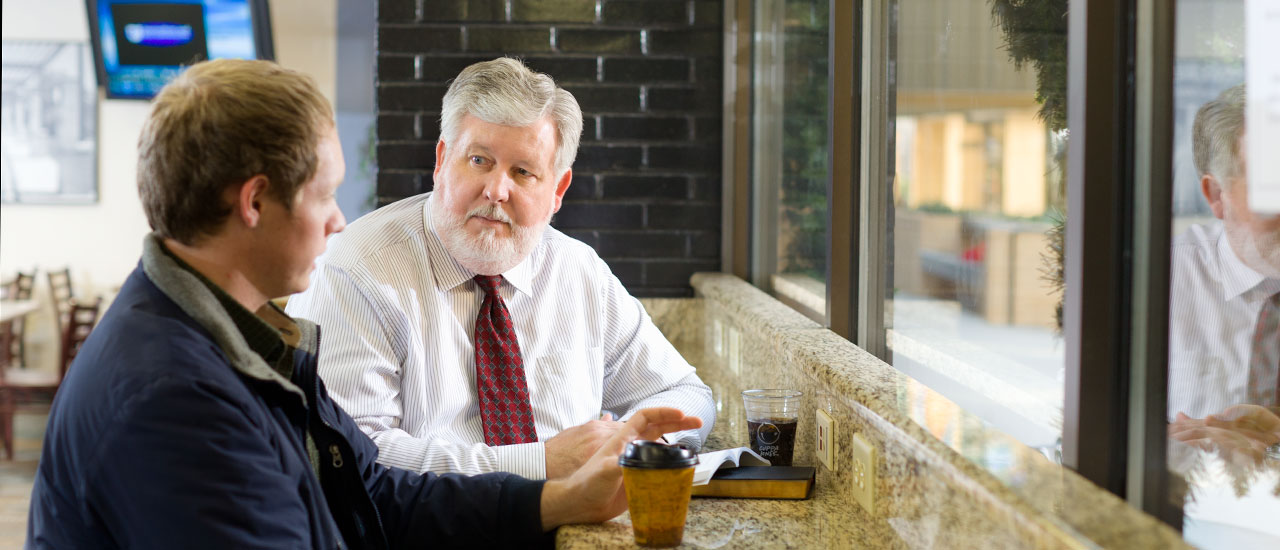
x=772, y=417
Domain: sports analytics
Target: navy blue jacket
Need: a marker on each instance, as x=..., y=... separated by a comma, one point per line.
x=167, y=433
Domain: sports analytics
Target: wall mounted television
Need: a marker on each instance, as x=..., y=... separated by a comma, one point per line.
x=139, y=46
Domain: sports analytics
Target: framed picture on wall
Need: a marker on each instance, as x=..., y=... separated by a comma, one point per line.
x=50, y=116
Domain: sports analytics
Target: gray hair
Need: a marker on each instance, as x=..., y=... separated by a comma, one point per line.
x=1215, y=136
x=504, y=91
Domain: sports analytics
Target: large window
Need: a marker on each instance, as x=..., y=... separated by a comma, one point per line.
x=789, y=150
x=979, y=144
x=1224, y=322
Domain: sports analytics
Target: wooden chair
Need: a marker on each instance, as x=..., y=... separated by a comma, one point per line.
x=13, y=347
x=62, y=295
x=23, y=386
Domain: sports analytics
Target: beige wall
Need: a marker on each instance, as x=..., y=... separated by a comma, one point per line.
x=101, y=242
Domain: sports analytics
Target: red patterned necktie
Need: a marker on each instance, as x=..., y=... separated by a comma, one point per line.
x=1264, y=363
x=504, y=396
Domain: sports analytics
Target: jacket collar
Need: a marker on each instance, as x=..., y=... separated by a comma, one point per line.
x=198, y=301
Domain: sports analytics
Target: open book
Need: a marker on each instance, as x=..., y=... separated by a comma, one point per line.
x=709, y=463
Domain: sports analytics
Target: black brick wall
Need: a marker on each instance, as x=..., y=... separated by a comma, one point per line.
x=646, y=186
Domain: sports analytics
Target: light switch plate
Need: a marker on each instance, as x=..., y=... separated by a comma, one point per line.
x=863, y=471
x=826, y=440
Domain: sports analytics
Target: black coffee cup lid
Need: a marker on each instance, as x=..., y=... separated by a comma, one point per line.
x=651, y=454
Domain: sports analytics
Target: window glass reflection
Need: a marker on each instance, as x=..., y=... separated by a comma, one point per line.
x=1224, y=310
x=979, y=149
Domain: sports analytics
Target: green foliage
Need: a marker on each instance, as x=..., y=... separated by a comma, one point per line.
x=1035, y=33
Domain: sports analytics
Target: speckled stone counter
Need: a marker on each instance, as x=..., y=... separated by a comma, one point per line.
x=943, y=479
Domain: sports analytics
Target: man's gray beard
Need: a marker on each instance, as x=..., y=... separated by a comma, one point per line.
x=485, y=253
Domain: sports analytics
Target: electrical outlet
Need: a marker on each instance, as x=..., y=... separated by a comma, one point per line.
x=826, y=440
x=863, y=471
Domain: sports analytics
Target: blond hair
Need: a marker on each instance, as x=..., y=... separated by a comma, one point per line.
x=504, y=91
x=217, y=125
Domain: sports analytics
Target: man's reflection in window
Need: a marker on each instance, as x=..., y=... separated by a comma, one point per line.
x=1224, y=331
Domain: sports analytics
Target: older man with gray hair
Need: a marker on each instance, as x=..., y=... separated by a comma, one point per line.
x=463, y=333
x=1224, y=326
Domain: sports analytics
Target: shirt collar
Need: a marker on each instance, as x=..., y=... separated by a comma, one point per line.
x=449, y=273
x=1237, y=278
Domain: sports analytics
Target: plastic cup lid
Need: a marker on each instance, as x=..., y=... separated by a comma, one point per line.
x=651, y=454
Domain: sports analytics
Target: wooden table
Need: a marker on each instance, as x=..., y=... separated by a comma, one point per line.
x=14, y=309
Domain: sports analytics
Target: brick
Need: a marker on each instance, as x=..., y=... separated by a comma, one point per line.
x=589, y=215
x=640, y=244
x=684, y=216
x=630, y=272
x=644, y=187
x=442, y=68
x=708, y=13
x=583, y=187
x=407, y=156
x=600, y=157
x=463, y=10
x=646, y=70
x=395, y=67
x=684, y=98
x=644, y=12
x=708, y=72
x=647, y=127
x=704, y=244
x=707, y=128
x=418, y=39
x=675, y=272
x=565, y=69
x=410, y=97
x=396, y=11
x=429, y=126
x=393, y=127
x=571, y=11
x=707, y=188
x=701, y=158
x=507, y=39
x=589, y=130
x=598, y=41
x=587, y=237
x=686, y=42
x=397, y=184
x=611, y=99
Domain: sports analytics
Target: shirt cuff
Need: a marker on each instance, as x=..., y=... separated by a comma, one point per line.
x=527, y=460
x=688, y=438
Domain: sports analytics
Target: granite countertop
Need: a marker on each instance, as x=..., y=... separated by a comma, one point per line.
x=823, y=521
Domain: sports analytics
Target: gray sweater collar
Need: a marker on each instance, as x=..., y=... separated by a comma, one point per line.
x=198, y=301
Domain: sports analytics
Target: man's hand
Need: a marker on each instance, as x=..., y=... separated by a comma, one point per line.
x=1240, y=432
x=569, y=450
x=594, y=492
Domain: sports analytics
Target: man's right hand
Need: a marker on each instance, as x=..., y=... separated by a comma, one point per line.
x=569, y=450
x=594, y=493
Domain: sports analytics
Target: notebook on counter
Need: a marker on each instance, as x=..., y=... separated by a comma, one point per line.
x=741, y=473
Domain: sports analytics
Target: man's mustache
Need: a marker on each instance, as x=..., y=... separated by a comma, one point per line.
x=492, y=211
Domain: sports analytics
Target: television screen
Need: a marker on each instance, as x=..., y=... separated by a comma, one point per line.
x=141, y=46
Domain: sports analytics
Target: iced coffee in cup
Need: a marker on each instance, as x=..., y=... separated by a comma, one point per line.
x=771, y=423
x=658, y=480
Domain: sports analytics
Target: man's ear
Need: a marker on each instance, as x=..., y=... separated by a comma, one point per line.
x=562, y=186
x=439, y=158
x=249, y=197
x=1212, y=190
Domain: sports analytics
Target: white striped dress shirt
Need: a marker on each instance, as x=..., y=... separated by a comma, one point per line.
x=398, y=316
x=1213, y=313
